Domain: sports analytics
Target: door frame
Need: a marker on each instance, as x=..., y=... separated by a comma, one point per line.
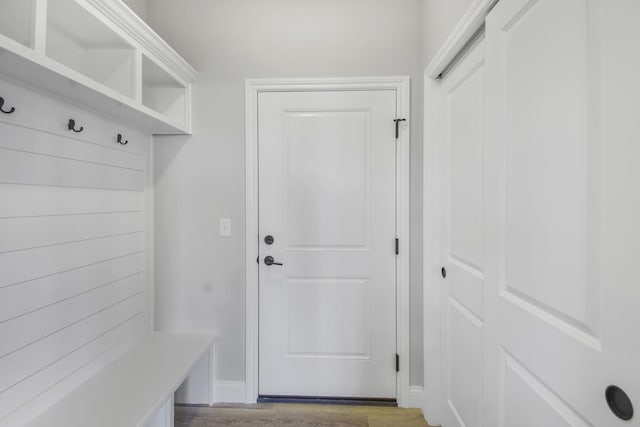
x=252, y=88
x=462, y=36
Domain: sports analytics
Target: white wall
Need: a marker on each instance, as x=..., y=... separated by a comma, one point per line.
x=199, y=179
x=439, y=19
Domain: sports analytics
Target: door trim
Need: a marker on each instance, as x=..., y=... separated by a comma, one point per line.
x=252, y=88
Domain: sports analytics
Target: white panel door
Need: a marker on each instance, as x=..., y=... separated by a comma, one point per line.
x=562, y=212
x=327, y=197
x=460, y=101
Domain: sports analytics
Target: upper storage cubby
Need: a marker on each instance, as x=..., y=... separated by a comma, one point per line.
x=16, y=20
x=163, y=93
x=81, y=41
x=99, y=54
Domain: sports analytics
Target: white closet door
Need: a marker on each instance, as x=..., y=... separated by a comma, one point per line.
x=460, y=100
x=562, y=212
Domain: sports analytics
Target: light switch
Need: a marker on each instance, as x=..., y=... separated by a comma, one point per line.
x=225, y=227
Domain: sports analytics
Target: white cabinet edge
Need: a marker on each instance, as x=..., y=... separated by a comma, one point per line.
x=131, y=24
x=30, y=65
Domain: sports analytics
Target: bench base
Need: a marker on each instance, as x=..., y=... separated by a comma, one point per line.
x=136, y=390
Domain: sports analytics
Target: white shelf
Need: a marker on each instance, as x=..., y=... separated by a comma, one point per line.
x=81, y=41
x=163, y=93
x=97, y=53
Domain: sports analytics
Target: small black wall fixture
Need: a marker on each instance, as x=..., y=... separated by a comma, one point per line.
x=397, y=121
x=119, y=139
x=72, y=126
x=11, y=110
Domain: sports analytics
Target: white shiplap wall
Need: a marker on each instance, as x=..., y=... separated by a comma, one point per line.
x=74, y=246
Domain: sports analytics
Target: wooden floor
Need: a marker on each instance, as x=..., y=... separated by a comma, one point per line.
x=297, y=415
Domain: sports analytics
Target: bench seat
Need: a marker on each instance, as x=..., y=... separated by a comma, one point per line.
x=131, y=390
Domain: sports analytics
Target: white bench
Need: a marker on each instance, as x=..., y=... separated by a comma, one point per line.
x=136, y=390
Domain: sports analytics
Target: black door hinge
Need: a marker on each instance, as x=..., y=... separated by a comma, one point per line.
x=397, y=362
x=398, y=126
x=397, y=246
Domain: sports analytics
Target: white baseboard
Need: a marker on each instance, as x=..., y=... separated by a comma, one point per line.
x=234, y=392
x=229, y=392
x=202, y=388
x=416, y=397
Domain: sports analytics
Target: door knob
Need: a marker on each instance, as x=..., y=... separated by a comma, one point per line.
x=270, y=261
x=619, y=402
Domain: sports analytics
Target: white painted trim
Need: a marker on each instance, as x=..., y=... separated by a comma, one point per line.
x=230, y=391
x=164, y=417
x=150, y=244
x=134, y=27
x=39, y=27
x=187, y=394
x=84, y=92
x=471, y=22
x=327, y=84
x=431, y=286
x=251, y=242
x=213, y=372
x=252, y=87
x=416, y=397
x=188, y=111
x=403, y=210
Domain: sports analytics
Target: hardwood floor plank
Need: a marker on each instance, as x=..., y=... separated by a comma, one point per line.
x=297, y=415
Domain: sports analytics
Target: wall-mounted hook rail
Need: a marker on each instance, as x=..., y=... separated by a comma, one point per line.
x=119, y=139
x=11, y=110
x=72, y=126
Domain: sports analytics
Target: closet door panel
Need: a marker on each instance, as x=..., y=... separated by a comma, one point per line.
x=460, y=100
x=558, y=314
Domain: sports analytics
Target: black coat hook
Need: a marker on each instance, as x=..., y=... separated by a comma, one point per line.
x=119, y=139
x=3, y=110
x=72, y=126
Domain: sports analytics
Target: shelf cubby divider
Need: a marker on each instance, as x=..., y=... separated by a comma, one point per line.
x=163, y=93
x=78, y=39
x=100, y=54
